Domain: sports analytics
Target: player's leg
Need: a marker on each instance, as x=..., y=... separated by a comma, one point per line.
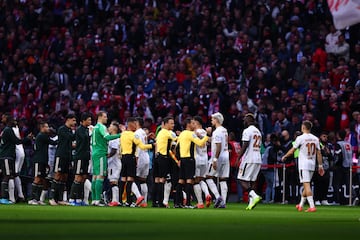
x=224, y=173
x=197, y=188
x=19, y=161
x=56, y=183
x=211, y=174
x=36, y=186
x=7, y=185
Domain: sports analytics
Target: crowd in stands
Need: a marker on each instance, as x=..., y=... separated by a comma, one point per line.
x=282, y=60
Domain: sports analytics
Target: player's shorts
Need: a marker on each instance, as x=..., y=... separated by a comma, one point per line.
x=114, y=169
x=201, y=170
x=99, y=165
x=128, y=168
x=40, y=170
x=81, y=166
x=249, y=171
x=305, y=176
x=142, y=168
x=161, y=167
x=222, y=170
x=7, y=166
x=20, y=156
x=62, y=165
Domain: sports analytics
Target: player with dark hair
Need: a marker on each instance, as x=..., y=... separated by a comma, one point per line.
x=129, y=142
x=186, y=143
x=7, y=159
x=309, y=153
x=114, y=164
x=40, y=162
x=143, y=162
x=81, y=160
x=63, y=157
x=250, y=158
x=201, y=166
x=162, y=164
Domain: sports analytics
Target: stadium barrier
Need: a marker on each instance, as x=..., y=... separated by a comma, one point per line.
x=282, y=166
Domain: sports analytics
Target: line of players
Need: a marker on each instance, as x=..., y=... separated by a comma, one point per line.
x=189, y=171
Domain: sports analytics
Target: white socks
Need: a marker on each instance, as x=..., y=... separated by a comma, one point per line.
x=302, y=201
x=167, y=190
x=115, y=193
x=311, y=201
x=135, y=190
x=204, y=188
x=144, y=191
x=198, y=193
x=87, y=190
x=252, y=194
x=213, y=187
x=224, y=190
x=43, y=195
x=12, y=190
x=18, y=187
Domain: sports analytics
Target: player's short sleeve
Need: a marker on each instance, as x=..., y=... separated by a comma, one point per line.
x=217, y=138
x=245, y=136
x=114, y=144
x=317, y=144
x=297, y=142
x=201, y=133
x=137, y=135
x=172, y=135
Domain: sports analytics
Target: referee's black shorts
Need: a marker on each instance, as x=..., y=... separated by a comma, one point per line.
x=161, y=167
x=128, y=168
x=187, y=168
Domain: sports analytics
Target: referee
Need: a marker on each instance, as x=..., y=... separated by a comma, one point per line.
x=162, y=164
x=186, y=143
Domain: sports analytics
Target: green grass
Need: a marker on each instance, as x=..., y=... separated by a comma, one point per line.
x=265, y=222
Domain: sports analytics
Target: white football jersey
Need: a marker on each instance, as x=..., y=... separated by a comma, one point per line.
x=115, y=159
x=220, y=135
x=252, y=154
x=308, y=144
x=201, y=155
x=142, y=154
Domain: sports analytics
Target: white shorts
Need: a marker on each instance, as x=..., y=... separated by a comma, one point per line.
x=201, y=170
x=222, y=170
x=249, y=171
x=305, y=175
x=20, y=156
x=142, y=168
x=114, y=169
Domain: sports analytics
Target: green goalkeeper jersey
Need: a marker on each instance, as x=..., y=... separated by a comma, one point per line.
x=100, y=138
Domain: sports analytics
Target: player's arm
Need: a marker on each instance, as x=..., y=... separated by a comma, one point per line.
x=47, y=140
x=141, y=145
x=106, y=135
x=14, y=138
x=288, y=154
x=198, y=141
x=319, y=160
x=245, y=145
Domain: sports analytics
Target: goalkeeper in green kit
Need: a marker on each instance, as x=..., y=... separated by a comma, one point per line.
x=99, y=143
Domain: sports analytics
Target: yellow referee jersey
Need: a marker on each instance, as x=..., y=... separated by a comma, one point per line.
x=129, y=142
x=186, y=138
x=163, y=141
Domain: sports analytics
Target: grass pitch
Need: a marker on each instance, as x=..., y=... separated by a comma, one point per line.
x=264, y=222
